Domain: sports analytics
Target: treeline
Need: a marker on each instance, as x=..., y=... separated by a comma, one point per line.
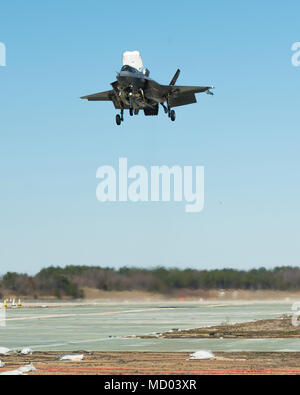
x=70, y=281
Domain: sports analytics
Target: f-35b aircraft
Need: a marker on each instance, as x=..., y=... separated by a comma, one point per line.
x=135, y=91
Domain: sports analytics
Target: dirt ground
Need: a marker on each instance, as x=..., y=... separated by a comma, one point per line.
x=125, y=363
x=280, y=328
x=191, y=295
x=96, y=295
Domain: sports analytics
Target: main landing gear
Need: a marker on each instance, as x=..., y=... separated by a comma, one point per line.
x=132, y=111
x=120, y=118
x=171, y=113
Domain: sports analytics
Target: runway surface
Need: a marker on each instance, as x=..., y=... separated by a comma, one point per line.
x=115, y=327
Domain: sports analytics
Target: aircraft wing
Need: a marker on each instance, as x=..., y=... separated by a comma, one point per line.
x=187, y=89
x=183, y=95
x=102, y=96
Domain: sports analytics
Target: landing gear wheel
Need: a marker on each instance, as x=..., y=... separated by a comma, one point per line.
x=118, y=120
x=131, y=112
x=172, y=115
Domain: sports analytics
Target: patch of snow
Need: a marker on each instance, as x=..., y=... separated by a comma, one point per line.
x=202, y=355
x=4, y=350
x=26, y=351
x=78, y=357
x=27, y=368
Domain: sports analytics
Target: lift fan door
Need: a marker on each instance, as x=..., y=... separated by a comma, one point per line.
x=133, y=59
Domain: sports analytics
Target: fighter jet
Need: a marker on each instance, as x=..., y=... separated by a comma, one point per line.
x=134, y=90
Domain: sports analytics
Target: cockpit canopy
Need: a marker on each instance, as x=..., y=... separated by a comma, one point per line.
x=129, y=69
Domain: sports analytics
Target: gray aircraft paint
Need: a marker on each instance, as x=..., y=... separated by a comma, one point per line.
x=135, y=90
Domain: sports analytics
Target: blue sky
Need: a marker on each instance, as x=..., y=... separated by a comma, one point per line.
x=247, y=136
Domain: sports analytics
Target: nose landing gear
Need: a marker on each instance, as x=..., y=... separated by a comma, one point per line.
x=130, y=104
